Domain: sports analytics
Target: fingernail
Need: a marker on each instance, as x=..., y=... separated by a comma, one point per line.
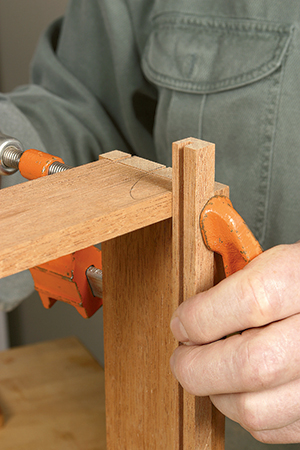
x=178, y=330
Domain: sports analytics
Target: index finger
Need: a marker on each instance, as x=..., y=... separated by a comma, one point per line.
x=266, y=290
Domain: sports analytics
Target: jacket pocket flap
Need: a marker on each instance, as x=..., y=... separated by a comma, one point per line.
x=205, y=55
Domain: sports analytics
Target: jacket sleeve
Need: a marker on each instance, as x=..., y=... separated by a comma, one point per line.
x=63, y=103
x=71, y=108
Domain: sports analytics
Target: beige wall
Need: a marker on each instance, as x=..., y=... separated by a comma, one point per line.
x=21, y=23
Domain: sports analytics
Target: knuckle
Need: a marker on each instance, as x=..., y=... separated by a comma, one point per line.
x=185, y=368
x=264, y=284
x=250, y=417
x=261, y=364
x=259, y=298
x=198, y=329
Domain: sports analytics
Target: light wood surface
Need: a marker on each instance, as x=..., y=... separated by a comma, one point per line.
x=65, y=212
x=68, y=211
x=202, y=426
x=52, y=397
x=141, y=392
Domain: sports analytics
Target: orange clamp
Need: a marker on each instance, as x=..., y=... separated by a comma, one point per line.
x=65, y=279
x=225, y=232
x=35, y=164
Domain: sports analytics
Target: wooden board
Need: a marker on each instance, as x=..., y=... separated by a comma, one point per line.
x=202, y=426
x=52, y=397
x=52, y=216
x=141, y=392
x=44, y=219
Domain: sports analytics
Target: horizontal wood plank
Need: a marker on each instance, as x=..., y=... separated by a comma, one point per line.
x=52, y=216
x=44, y=219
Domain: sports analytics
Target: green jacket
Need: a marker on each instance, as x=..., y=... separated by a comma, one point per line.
x=137, y=75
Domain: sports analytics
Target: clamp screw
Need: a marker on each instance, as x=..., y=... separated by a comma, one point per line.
x=57, y=167
x=11, y=151
x=11, y=157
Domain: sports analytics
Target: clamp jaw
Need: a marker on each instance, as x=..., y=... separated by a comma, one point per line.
x=67, y=279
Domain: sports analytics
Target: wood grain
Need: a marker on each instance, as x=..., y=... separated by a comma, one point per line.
x=141, y=392
x=53, y=216
x=202, y=426
x=44, y=219
x=52, y=396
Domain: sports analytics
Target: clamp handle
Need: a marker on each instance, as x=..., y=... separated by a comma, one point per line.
x=225, y=232
x=31, y=163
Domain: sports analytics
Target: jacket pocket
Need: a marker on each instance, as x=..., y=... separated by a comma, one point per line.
x=219, y=79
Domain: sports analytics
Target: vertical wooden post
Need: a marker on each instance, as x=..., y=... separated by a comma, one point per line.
x=141, y=393
x=202, y=426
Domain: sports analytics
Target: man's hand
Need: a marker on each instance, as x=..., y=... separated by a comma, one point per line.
x=252, y=377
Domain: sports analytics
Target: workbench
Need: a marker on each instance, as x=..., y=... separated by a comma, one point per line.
x=52, y=397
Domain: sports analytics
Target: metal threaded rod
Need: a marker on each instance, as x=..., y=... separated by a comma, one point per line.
x=11, y=157
x=10, y=152
x=57, y=167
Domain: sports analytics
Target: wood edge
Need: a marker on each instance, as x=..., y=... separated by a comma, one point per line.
x=177, y=251
x=165, y=172
x=138, y=163
x=219, y=273
x=115, y=155
x=221, y=189
x=193, y=143
x=1, y=418
x=142, y=163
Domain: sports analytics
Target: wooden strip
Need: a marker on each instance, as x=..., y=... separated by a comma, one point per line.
x=193, y=185
x=115, y=155
x=219, y=273
x=69, y=211
x=143, y=164
x=221, y=189
x=164, y=172
x=53, y=216
x=177, y=251
x=141, y=392
x=1, y=418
